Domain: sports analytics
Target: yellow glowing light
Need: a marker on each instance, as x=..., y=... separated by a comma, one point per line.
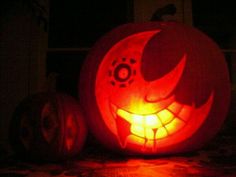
x=165, y=116
x=174, y=126
x=161, y=133
x=135, y=140
x=149, y=133
x=150, y=144
x=175, y=107
x=137, y=130
x=144, y=126
x=152, y=121
x=124, y=114
x=137, y=119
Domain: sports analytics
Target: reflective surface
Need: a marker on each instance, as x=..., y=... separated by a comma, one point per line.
x=213, y=161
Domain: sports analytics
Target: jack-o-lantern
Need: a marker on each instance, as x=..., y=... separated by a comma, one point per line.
x=155, y=88
x=48, y=126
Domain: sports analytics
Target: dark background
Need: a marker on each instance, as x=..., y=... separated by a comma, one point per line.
x=78, y=24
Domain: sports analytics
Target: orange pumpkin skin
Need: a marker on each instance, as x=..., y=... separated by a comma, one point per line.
x=154, y=88
x=48, y=126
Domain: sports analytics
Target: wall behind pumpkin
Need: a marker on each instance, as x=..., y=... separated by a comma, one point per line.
x=23, y=45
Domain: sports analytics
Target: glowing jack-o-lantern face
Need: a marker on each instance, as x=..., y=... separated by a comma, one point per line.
x=146, y=107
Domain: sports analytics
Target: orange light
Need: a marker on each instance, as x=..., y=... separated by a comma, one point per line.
x=161, y=133
x=153, y=126
x=149, y=133
x=165, y=116
x=151, y=80
x=124, y=114
x=123, y=73
x=152, y=121
x=185, y=112
x=70, y=132
x=174, y=126
x=135, y=140
x=137, y=130
x=175, y=107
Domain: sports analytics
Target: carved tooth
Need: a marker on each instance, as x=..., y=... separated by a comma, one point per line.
x=138, y=130
x=149, y=134
x=137, y=119
x=135, y=140
x=165, y=116
x=161, y=133
x=152, y=121
x=174, y=126
x=185, y=112
x=125, y=115
x=175, y=107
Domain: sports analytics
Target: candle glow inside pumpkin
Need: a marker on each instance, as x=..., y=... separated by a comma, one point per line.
x=142, y=114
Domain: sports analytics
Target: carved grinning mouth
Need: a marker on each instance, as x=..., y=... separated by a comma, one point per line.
x=146, y=130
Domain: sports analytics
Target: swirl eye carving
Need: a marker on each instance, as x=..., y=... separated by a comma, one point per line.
x=122, y=72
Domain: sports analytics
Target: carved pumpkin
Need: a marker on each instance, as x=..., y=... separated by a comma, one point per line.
x=155, y=88
x=48, y=126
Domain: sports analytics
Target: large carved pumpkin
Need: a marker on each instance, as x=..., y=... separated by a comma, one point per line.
x=155, y=88
x=48, y=126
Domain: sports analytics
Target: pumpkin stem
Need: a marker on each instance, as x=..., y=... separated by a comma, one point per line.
x=168, y=9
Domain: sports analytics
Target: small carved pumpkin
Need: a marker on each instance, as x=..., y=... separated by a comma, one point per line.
x=48, y=126
x=155, y=88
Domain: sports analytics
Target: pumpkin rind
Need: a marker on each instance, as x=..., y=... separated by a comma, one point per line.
x=148, y=70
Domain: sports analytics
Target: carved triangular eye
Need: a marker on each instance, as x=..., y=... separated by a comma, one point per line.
x=49, y=122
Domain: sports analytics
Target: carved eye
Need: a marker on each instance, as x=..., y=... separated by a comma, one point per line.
x=122, y=72
x=49, y=122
